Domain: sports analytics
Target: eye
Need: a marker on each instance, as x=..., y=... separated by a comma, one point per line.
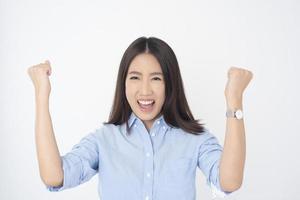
x=133, y=78
x=157, y=78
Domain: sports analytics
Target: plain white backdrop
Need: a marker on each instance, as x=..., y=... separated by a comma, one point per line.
x=85, y=40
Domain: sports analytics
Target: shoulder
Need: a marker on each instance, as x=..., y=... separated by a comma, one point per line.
x=200, y=138
x=108, y=130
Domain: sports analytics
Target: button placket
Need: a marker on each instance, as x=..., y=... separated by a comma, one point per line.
x=152, y=132
x=148, y=170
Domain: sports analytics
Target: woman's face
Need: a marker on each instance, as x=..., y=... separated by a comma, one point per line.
x=145, y=88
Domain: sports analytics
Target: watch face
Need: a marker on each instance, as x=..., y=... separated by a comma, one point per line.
x=239, y=114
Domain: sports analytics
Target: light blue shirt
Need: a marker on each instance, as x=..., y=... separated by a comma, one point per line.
x=159, y=165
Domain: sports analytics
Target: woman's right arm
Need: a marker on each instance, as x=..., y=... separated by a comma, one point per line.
x=50, y=164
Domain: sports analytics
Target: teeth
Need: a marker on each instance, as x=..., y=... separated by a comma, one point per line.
x=146, y=102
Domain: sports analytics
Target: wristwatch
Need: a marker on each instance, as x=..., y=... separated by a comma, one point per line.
x=238, y=114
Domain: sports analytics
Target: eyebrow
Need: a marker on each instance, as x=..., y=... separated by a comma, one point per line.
x=139, y=73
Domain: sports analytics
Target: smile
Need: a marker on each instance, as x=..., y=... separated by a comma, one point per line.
x=146, y=105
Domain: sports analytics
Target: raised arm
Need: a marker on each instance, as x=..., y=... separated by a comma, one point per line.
x=50, y=164
x=234, y=152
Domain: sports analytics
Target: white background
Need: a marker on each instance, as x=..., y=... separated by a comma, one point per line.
x=85, y=40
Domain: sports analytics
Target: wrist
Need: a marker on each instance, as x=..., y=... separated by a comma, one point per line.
x=234, y=103
x=42, y=97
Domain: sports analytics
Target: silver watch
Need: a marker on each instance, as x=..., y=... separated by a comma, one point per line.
x=236, y=114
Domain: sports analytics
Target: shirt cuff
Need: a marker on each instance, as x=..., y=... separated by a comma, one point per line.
x=217, y=192
x=67, y=178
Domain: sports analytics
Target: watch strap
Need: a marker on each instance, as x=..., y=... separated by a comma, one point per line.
x=233, y=113
x=230, y=113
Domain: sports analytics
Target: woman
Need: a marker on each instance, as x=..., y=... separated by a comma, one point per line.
x=151, y=145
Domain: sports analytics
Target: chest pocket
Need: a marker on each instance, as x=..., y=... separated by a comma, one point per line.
x=179, y=172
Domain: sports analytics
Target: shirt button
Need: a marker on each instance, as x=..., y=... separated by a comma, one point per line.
x=147, y=154
x=135, y=125
x=148, y=175
x=158, y=122
x=147, y=198
x=164, y=127
x=152, y=134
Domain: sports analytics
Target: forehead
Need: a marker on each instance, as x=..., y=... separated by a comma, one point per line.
x=145, y=63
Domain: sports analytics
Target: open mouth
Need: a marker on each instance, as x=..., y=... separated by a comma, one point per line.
x=146, y=105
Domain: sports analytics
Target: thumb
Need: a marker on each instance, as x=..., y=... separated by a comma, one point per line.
x=49, y=70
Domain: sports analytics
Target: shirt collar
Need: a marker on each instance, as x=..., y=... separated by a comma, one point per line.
x=133, y=119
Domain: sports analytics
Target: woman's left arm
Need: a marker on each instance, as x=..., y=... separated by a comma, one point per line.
x=234, y=152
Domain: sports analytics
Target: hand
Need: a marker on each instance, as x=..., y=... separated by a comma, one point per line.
x=39, y=76
x=238, y=79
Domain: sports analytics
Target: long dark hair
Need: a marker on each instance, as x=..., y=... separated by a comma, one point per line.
x=175, y=109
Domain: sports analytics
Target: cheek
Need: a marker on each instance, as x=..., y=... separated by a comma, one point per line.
x=127, y=91
x=130, y=91
x=160, y=92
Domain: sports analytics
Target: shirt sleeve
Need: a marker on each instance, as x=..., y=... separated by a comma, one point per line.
x=209, y=157
x=80, y=164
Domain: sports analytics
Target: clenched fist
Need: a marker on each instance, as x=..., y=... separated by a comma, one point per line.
x=39, y=75
x=238, y=79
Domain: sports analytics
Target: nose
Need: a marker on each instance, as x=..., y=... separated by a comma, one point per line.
x=146, y=88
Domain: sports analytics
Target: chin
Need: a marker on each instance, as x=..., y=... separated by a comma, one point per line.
x=146, y=116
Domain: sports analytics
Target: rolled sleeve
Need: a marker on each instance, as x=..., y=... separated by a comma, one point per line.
x=80, y=164
x=209, y=157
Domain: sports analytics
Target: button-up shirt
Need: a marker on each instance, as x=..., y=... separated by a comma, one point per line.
x=156, y=165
